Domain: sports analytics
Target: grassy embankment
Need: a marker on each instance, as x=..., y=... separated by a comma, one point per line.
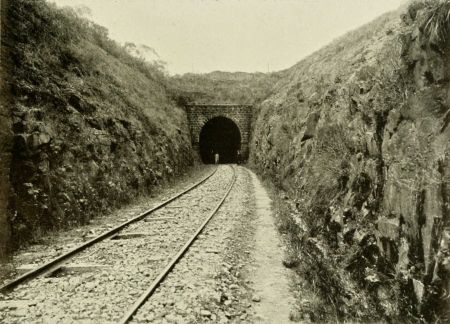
x=93, y=126
x=355, y=138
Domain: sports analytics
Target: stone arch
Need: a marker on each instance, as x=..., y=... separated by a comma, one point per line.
x=199, y=115
x=206, y=120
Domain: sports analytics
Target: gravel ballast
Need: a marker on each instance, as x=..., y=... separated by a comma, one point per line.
x=116, y=270
x=216, y=281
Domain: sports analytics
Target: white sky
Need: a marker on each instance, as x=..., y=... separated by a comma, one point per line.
x=232, y=35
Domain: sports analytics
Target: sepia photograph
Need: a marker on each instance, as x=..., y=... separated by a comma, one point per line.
x=224, y=161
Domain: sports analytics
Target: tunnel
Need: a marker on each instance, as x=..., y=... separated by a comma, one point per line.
x=220, y=135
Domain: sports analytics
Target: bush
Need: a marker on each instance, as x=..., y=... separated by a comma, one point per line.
x=434, y=19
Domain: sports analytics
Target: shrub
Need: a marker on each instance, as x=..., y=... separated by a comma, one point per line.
x=434, y=19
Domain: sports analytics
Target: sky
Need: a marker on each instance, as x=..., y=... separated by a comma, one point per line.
x=202, y=36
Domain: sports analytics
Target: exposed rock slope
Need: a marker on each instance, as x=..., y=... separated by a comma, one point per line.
x=93, y=127
x=357, y=136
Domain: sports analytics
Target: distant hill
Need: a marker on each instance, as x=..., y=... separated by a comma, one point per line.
x=224, y=87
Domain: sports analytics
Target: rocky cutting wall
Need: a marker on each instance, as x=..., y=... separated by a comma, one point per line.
x=5, y=137
x=357, y=137
x=92, y=126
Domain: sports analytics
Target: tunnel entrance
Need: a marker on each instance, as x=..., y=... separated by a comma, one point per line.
x=220, y=135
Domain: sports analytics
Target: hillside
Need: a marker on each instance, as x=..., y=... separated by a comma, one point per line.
x=356, y=140
x=224, y=87
x=93, y=127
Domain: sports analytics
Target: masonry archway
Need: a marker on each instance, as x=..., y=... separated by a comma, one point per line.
x=199, y=114
x=221, y=135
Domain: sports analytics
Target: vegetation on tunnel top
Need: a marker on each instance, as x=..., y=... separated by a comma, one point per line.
x=223, y=87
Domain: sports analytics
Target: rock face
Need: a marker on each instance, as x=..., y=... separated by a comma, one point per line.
x=5, y=141
x=92, y=127
x=357, y=136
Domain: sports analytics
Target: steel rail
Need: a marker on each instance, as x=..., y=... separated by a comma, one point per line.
x=149, y=292
x=58, y=261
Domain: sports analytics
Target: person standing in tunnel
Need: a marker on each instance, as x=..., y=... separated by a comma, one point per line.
x=216, y=158
x=238, y=157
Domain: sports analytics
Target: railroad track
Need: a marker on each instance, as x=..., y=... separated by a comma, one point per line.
x=167, y=215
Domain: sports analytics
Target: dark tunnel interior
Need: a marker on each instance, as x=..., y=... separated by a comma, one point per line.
x=220, y=135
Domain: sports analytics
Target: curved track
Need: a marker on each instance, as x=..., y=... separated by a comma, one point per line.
x=147, y=294
x=56, y=264
x=53, y=264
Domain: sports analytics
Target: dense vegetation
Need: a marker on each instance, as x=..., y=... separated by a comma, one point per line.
x=93, y=126
x=356, y=138
x=223, y=87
